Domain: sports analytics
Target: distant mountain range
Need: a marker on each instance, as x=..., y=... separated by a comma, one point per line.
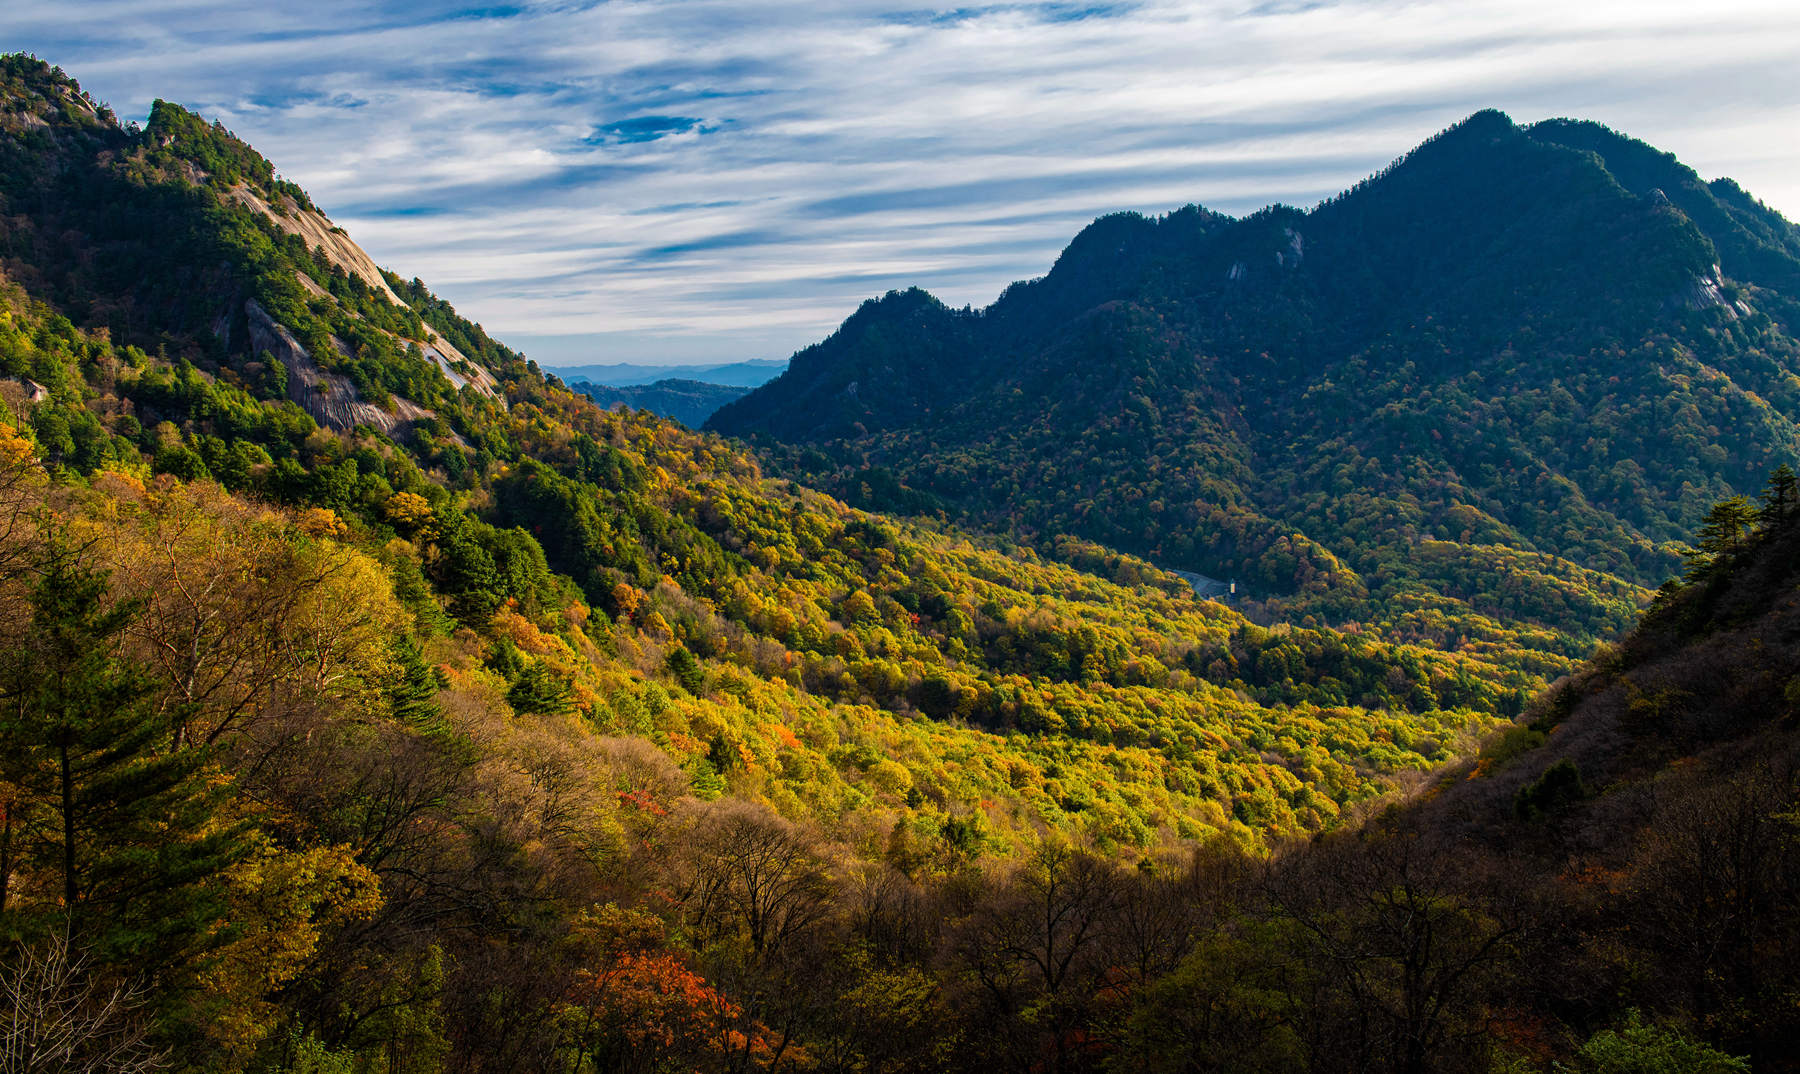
x=1499, y=381
x=746, y=374
x=689, y=402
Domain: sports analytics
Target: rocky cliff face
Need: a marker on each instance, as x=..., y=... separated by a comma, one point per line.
x=321, y=234
x=331, y=399
x=181, y=240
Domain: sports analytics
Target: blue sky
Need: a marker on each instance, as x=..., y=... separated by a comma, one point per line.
x=708, y=180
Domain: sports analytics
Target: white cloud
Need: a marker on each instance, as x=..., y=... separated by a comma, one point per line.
x=845, y=148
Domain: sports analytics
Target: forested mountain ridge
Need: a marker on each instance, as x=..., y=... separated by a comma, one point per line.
x=690, y=402
x=178, y=237
x=1497, y=382
x=470, y=727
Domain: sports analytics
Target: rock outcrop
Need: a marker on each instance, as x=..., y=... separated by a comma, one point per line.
x=321, y=234
x=330, y=398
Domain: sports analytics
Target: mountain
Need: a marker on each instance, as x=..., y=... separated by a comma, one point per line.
x=689, y=402
x=368, y=700
x=180, y=238
x=1611, y=884
x=746, y=374
x=1494, y=384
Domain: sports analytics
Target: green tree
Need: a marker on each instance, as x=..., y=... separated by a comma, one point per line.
x=540, y=689
x=1648, y=1049
x=686, y=669
x=1559, y=786
x=414, y=688
x=1781, y=497
x=107, y=826
x=1720, y=535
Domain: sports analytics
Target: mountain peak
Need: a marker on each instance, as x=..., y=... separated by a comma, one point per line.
x=1488, y=123
x=899, y=302
x=180, y=236
x=30, y=86
x=1219, y=395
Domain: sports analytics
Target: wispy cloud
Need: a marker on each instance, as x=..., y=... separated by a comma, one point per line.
x=708, y=179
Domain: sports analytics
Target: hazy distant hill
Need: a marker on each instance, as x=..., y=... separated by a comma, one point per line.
x=689, y=402
x=1497, y=380
x=746, y=374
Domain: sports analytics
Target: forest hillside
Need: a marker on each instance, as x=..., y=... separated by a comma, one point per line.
x=371, y=702
x=1492, y=388
x=354, y=663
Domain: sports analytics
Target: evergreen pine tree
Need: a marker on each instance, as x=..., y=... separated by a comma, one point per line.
x=1781, y=499
x=109, y=828
x=1721, y=535
x=413, y=692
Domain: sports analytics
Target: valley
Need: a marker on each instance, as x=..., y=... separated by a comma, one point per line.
x=373, y=701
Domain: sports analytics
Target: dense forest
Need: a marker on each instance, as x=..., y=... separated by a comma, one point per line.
x=1479, y=398
x=371, y=702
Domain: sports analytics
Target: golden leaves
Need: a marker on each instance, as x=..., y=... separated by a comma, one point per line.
x=408, y=511
x=321, y=522
x=283, y=902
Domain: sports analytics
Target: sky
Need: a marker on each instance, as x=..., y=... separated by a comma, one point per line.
x=687, y=181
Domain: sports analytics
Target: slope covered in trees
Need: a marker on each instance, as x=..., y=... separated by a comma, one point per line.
x=1612, y=884
x=268, y=807
x=1480, y=397
x=373, y=702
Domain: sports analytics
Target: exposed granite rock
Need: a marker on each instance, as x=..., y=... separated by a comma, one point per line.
x=330, y=398
x=321, y=234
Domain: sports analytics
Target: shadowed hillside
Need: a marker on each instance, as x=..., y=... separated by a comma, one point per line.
x=1493, y=384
